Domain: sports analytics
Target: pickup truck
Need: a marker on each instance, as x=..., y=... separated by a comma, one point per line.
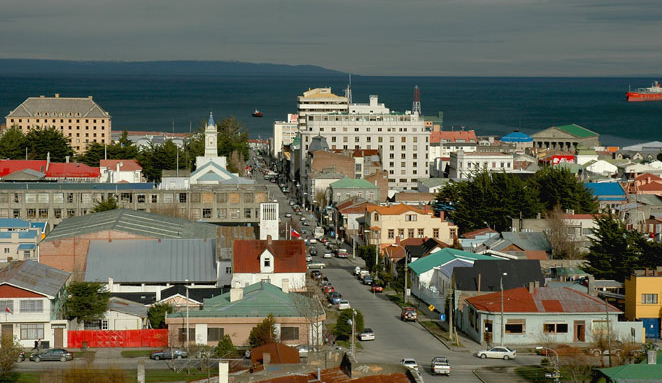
x=440, y=366
x=408, y=314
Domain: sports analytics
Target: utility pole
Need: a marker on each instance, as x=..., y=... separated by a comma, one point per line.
x=188, y=330
x=503, y=325
x=406, y=299
x=608, y=331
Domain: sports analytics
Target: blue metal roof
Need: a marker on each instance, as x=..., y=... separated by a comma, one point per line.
x=211, y=120
x=14, y=223
x=600, y=189
x=517, y=137
x=21, y=234
x=27, y=246
x=38, y=225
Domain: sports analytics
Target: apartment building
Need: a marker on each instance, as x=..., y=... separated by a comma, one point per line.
x=384, y=223
x=642, y=299
x=284, y=133
x=319, y=100
x=401, y=139
x=237, y=204
x=78, y=118
x=463, y=165
x=19, y=239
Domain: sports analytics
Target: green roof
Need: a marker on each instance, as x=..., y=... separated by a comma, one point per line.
x=570, y=271
x=572, y=168
x=634, y=373
x=442, y=257
x=577, y=131
x=353, y=183
x=259, y=300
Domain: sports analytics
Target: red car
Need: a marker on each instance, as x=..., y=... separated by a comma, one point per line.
x=377, y=289
x=329, y=289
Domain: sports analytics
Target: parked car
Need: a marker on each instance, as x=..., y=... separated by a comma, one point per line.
x=303, y=219
x=440, y=366
x=53, y=354
x=409, y=363
x=167, y=354
x=288, y=215
x=368, y=280
x=615, y=348
x=327, y=255
x=328, y=289
x=313, y=251
x=316, y=265
x=334, y=297
x=377, y=289
x=362, y=274
x=304, y=350
x=357, y=270
x=306, y=223
x=408, y=314
x=309, y=258
x=344, y=305
x=367, y=334
x=313, y=241
x=315, y=274
x=500, y=352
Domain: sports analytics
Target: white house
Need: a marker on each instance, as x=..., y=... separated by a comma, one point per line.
x=121, y=314
x=281, y=263
x=31, y=299
x=601, y=167
x=115, y=171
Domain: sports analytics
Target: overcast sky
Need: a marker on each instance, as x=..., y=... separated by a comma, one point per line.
x=369, y=37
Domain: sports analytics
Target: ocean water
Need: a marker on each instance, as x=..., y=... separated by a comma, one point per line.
x=489, y=105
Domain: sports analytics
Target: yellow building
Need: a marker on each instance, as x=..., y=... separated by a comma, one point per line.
x=642, y=299
x=405, y=221
x=80, y=119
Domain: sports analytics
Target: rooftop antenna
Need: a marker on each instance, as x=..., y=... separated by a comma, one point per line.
x=348, y=90
x=416, y=107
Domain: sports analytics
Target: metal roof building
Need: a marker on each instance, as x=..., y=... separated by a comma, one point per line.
x=33, y=276
x=157, y=261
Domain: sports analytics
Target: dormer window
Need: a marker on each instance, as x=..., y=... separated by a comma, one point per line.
x=267, y=262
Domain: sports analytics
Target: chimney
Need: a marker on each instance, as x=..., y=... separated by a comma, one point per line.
x=66, y=159
x=658, y=270
x=118, y=166
x=397, y=240
x=531, y=288
x=286, y=285
x=223, y=376
x=269, y=241
x=57, y=95
x=9, y=259
x=442, y=216
x=591, y=286
x=236, y=294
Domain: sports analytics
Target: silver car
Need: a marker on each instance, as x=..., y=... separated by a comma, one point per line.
x=500, y=352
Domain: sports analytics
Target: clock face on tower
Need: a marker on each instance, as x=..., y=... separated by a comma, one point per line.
x=211, y=141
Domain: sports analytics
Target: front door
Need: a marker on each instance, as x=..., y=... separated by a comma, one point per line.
x=580, y=329
x=8, y=329
x=487, y=333
x=59, y=337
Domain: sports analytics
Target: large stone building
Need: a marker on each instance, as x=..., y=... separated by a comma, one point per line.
x=235, y=204
x=78, y=118
x=401, y=138
x=565, y=137
x=463, y=165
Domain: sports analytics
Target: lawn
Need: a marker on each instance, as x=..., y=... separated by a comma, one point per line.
x=137, y=353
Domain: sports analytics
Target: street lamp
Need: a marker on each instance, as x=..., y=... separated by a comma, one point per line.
x=503, y=325
x=352, y=322
x=557, y=374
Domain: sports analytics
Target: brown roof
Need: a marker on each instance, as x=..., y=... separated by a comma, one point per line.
x=415, y=196
x=125, y=165
x=396, y=209
x=473, y=234
x=365, y=152
x=395, y=252
x=358, y=208
x=280, y=354
x=289, y=255
x=453, y=136
x=647, y=176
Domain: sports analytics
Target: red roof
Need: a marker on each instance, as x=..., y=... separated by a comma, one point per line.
x=289, y=255
x=395, y=252
x=125, y=165
x=543, y=299
x=279, y=353
x=365, y=152
x=52, y=170
x=359, y=208
x=475, y=233
x=453, y=136
x=647, y=176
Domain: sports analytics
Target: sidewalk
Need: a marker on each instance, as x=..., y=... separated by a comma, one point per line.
x=498, y=375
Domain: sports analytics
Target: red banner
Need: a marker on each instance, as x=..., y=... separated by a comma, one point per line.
x=118, y=339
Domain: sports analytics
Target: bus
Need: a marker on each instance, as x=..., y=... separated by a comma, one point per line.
x=319, y=232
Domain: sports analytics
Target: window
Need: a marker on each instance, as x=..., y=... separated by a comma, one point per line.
x=42, y=198
x=16, y=213
x=391, y=233
x=214, y=334
x=410, y=232
x=32, y=213
x=222, y=212
x=206, y=213
x=32, y=331
x=267, y=262
x=289, y=333
x=228, y=270
x=182, y=197
x=141, y=198
x=401, y=233
x=515, y=326
x=71, y=213
x=182, y=334
x=57, y=213
x=6, y=250
x=222, y=197
x=43, y=213
x=70, y=197
x=410, y=217
x=155, y=198
x=435, y=233
x=32, y=306
x=648, y=299
x=7, y=304
x=555, y=328
x=420, y=233
x=249, y=198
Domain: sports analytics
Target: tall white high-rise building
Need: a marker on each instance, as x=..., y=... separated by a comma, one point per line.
x=319, y=100
x=284, y=133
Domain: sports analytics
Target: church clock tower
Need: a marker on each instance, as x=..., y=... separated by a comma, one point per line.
x=211, y=147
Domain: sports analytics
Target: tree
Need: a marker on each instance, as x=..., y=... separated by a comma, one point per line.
x=343, y=329
x=308, y=306
x=123, y=149
x=614, y=251
x=232, y=137
x=563, y=247
x=9, y=352
x=86, y=301
x=12, y=144
x=157, y=314
x=557, y=186
x=42, y=141
x=263, y=333
x=225, y=347
x=109, y=203
x=156, y=158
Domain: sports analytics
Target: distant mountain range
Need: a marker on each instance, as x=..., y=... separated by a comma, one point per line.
x=158, y=68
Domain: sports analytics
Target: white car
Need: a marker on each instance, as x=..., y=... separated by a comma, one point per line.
x=312, y=241
x=499, y=352
x=409, y=363
x=309, y=258
x=344, y=305
x=288, y=215
x=357, y=270
x=327, y=255
x=367, y=334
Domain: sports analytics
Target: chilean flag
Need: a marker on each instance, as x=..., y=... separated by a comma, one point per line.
x=293, y=233
x=7, y=309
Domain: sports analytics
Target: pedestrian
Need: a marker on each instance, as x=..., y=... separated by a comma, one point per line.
x=36, y=344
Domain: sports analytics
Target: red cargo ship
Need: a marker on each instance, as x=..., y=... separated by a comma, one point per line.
x=654, y=93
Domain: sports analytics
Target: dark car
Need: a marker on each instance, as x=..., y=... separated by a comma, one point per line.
x=52, y=354
x=313, y=251
x=166, y=354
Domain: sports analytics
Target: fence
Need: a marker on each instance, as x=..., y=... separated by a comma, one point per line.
x=118, y=339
